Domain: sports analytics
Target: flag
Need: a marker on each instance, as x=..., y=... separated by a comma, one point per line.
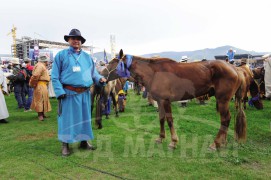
x=105, y=57
x=36, y=52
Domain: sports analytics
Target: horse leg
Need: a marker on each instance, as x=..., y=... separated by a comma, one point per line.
x=98, y=119
x=245, y=99
x=92, y=101
x=162, y=123
x=168, y=115
x=114, y=103
x=225, y=117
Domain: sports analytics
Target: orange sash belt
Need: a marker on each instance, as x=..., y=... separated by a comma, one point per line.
x=76, y=89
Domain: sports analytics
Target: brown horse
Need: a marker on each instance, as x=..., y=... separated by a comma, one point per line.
x=250, y=86
x=169, y=81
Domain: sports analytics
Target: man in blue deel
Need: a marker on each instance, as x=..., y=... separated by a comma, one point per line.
x=72, y=75
x=230, y=55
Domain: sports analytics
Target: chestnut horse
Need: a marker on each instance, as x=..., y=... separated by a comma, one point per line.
x=169, y=81
x=250, y=86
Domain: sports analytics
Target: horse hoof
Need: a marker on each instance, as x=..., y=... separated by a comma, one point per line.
x=212, y=147
x=117, y=115
x=159, y=140
x=172, y=146
x=100, y=127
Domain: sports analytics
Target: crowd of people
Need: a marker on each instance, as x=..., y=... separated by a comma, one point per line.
x=24, y=80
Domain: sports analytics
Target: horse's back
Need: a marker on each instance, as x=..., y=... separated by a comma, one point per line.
x=180, y=81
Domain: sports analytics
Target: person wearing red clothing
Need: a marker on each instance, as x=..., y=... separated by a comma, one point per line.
x=29, y=69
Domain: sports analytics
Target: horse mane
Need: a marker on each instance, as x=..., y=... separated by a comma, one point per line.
x=154, y=60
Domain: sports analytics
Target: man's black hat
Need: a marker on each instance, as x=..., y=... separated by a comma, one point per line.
x=75, y=33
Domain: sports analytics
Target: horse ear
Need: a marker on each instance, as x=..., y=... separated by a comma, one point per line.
x=121, y=54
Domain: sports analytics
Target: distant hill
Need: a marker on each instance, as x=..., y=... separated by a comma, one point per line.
x=100, y=56
x=207, y=53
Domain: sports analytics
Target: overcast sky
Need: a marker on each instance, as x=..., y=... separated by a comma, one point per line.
x=142, y=26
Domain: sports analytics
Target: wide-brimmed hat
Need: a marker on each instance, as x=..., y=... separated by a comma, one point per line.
x=43, y=58
x=15, y=61
x=75, y=33
x=102, y=63
x=27, y=60
x=184, y=59
x=243, y=61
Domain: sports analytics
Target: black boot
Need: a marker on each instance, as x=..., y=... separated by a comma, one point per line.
x=3, y=121
x=86, y=145
x=65, y=149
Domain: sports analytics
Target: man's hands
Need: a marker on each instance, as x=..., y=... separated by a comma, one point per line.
x=103, y=80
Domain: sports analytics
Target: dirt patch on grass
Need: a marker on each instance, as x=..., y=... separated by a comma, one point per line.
x=33, y=137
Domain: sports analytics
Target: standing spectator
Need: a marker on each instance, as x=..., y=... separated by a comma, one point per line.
x=230, y=55
x=50, y=87
x=267, y=75
x=5, y=68
x=3, y=107
x=18, y=83
x=39, y=81
x=30, y=90
x=126, y=87
x=121, y=101
x=73, y=73
x=183, y=103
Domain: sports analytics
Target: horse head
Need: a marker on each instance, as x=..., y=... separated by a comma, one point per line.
x=110, y=72
x=118, y=67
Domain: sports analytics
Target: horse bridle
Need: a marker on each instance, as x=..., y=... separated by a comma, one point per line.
x=116, y=68
x=109, y=72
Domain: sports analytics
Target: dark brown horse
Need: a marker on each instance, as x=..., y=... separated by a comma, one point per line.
x=258, y=74
x=250, y=86
x=102, y=95
x=169, y=81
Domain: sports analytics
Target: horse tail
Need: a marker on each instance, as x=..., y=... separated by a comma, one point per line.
x=240, y=126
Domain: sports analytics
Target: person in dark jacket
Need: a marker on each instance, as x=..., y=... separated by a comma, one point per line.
x=18, y=83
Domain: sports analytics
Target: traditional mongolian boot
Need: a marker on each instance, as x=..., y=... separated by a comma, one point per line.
x=65, y=149
x=3, y=121
x=40, y=116
x=85, y=145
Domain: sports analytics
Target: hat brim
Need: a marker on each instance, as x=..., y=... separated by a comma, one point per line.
x=66, y=38
x=46, y=60
x=27, y=61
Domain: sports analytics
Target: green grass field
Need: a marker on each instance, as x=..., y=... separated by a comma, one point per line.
x=126, y=149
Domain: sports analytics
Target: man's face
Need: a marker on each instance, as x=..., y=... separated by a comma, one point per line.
x=75, y=42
